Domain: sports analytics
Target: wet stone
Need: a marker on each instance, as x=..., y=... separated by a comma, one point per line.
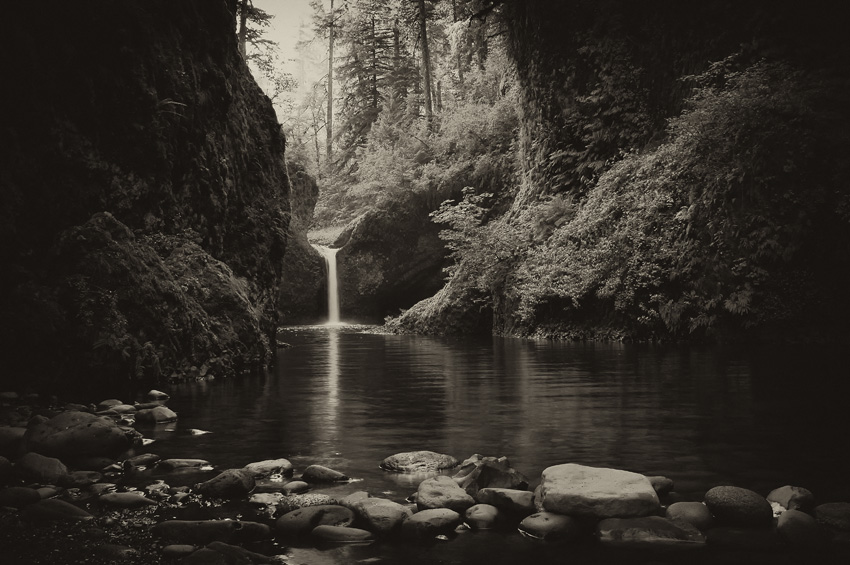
x=304, y=520
x=321, y=474
x=739, y=507
x=550, y=527
x=430, y=523
x=18, y=497
x=835, y=515
x=792, y=498
x=442, y=492
x=649, y=531
x=800, y=530
x=52, y=510
x=418, y=462
x=263, y=469
x=482, y=517
x=126, y=499
x=340, y=534
x=519, y=502
x=696, y=514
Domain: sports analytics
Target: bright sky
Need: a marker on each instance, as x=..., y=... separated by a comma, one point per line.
x=288, y=17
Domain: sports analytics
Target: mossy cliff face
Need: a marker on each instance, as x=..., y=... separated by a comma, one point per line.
x=144, y=195
x=302, y=294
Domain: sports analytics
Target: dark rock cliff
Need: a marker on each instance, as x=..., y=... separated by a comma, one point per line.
x=144, y=195
x=303, y=290
x=391, y=257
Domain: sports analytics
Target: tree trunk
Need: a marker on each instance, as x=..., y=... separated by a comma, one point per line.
x=243, y=27
x=426, y=65
x=459, y=58
x=329, y=125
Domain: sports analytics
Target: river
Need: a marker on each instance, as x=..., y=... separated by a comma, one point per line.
x=340, y=397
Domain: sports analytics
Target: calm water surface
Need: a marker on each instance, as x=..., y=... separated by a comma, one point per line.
x=701, y=416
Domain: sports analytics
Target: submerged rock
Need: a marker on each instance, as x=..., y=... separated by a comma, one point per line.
x=479, y=472
x=651, y=531
x=232, y=483
x=442, y=492
x=740, y=507
x=158, y=415
x=173, y=464
x=126, y=499
x=835, y=515
x=792, y=498
x=696, y=514
x=509, y=500
x=320, y=474
x=550, y=526
x=430, y=523
x=597, y=493
x=262, y=469
x=801, y=530
x=418, y=462
x=294, y=501
x=76, y=434
x=40, y=469
x=379, y=515
x=302, y=521
x=482, y=517
x=340, y=534
x=18, y=497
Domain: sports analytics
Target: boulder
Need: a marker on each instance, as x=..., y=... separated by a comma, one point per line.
x=302, y=521
x=144, y=460
x=596, y=493
x=80, y=479
x=232, y=483
x=379, y=515
x=201, y=532
x=442, y=492
x=696, y=514
x=295, y=487
x=173, y=464
x=482, y=517
x=262, y=469
x=340, y=534
x=10, y=440
x=6, y=471
x=18, y=497
x=739, y=507
x=53, y=510
x=550, y=526
x=662, y=485
x=154, y=394
x=76, y=434
x=126, y=499
x=154, y=416
x=648, y=531
x=107, y=404
x=513, y=501
x=418, y=462
x=792, y=498
x=479, y=472
x=430, y=523
x=295, y=501
x=40, y=469
x=835, y=515
x=801, y=530
x=320, y=474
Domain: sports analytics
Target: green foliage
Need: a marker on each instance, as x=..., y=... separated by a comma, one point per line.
x=698, y=233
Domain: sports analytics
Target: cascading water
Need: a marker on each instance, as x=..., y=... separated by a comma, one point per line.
x=333, y=293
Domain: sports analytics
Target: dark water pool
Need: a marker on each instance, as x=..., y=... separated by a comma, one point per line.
x=758, y=418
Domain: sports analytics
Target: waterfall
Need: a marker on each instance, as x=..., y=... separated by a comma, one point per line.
x=333, y=291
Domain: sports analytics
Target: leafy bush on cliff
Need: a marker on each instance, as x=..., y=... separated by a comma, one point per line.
x=725, y=225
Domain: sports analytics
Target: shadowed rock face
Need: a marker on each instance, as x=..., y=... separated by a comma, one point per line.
x=391, y=258
x=144, y=196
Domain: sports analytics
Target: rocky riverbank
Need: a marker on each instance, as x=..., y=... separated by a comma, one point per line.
x=81, y=483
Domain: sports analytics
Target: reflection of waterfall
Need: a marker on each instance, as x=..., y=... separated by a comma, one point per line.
x=333, y=292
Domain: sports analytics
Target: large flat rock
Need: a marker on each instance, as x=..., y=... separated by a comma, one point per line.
x=598, y=493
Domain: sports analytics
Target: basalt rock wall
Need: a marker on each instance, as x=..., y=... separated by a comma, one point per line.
x=144, y=202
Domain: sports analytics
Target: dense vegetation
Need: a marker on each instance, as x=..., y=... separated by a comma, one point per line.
x=633, y=170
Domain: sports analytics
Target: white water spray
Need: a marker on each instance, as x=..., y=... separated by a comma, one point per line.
x=333, y=292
